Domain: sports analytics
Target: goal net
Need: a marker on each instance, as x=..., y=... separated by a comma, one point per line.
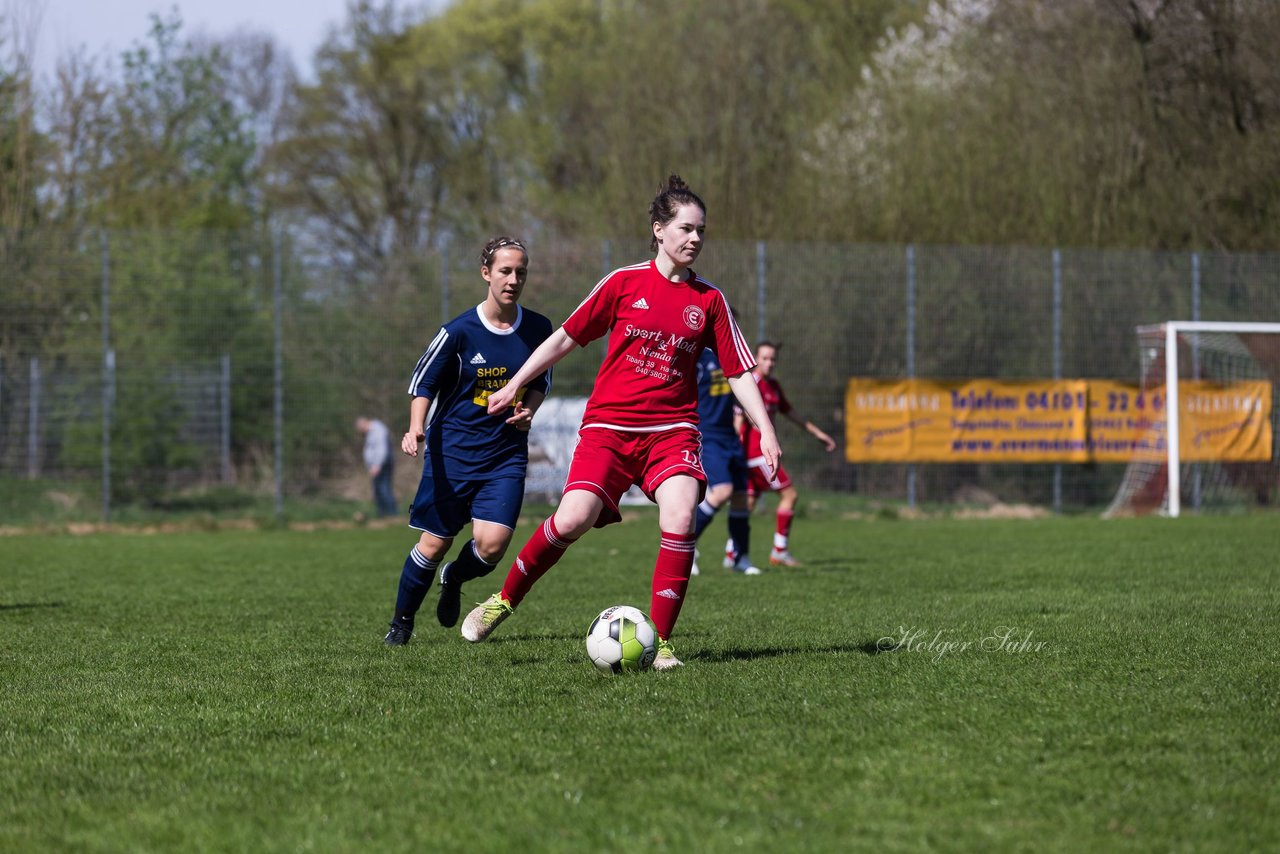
x=1220, y=451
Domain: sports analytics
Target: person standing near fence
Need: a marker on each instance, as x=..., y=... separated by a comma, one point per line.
x=640, y=425
x=380, y=462
x=474, y=462
x=725, y=462
x=765, y=478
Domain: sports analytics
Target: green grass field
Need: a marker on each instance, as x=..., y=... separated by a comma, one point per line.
x=229, y=690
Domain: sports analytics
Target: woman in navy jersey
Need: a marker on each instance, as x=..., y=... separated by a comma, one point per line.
x=725, y=462
x=474, y=462
x=641, y=422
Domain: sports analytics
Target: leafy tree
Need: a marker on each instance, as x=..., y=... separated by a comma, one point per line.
x=1099, y=123
x=179, y=153
x=402, y=138
x=726, y=94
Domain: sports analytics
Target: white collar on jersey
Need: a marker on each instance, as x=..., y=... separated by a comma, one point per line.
x=495, y=330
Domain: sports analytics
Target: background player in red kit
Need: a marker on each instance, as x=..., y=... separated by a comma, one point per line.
x=761, y=480
x=641, y=422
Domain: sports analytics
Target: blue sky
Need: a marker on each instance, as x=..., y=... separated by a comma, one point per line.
x=108, y=27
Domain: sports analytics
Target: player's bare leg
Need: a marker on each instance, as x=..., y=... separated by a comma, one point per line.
x=781, y=554
x=577, y=512
x=677, y=498
x=476, y=559
x=415, y=580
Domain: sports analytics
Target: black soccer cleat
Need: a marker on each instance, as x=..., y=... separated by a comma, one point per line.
x=398, y=635
x=450, y=604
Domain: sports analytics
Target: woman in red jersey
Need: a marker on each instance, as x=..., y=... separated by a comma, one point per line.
x=641, y=422
x=774, y=478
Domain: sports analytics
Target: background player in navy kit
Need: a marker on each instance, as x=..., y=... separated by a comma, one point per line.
x=640, y=425
x=724, y=460
x=474, y=463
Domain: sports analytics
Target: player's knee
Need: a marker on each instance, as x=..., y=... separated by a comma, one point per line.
x=433, y=547
x=491, y=552
x=677, y=520
x=719, y=494
x=573, y=522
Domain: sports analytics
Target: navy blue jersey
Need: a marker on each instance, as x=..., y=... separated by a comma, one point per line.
x=468, y=360
x=715, y=400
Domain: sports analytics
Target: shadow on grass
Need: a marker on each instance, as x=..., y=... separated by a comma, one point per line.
x=745, y=654
x=29, y=606
x=525, y=638
x=877, y=647
x=831, y=563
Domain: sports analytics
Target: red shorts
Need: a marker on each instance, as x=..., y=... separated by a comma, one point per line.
x=758, y=483
x=607, y=462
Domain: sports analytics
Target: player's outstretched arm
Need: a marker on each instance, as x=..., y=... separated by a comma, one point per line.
x=813, y=430
x=748, y=394
x=417, y=429
x=548, y=353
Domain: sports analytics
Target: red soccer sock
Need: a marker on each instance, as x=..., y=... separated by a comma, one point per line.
x=543, y=550
x=784, y=522
x=670, y=580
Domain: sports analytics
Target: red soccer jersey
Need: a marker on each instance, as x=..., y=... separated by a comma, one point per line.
x=657, y=329
x=775, y=401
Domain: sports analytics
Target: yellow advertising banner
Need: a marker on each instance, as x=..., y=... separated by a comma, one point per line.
x=1035, y=421
x=966, y=421
x=1222, y=422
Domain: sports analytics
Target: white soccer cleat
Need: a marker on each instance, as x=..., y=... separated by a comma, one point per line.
x=782, y=557
x=744, y=567
x=486, y=617
x=693, y=570
x=666, y=657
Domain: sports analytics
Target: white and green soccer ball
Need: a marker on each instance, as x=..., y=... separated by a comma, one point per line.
x=622, y=640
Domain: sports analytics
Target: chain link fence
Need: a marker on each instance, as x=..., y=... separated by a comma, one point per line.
x=140, y=367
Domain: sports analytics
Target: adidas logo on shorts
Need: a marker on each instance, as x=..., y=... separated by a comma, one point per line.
x=478, y=359
x=640, y=303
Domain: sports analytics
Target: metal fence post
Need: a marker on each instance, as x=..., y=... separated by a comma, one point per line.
x=760, y=291
x=108, y=376
x=277, y=291
x=911, y=355
x=224, y=438
x=444, y=284
x=33, y=421
x=1057, y=362
x=1197, y=481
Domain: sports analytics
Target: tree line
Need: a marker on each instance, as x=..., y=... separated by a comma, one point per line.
x=1135, y=123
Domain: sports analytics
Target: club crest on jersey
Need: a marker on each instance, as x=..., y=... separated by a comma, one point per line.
x=478, y=359
x=694, y=317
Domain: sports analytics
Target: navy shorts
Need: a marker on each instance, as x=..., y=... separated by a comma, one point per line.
x=725, y=462
x=443, y=507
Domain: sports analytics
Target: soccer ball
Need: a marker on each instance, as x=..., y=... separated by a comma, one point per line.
x=622, y=640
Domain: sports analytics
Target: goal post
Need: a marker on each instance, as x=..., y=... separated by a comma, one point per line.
x=1222, y=374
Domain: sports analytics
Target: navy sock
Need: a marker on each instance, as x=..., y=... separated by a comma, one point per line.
x=740, y=530
x=705, y=514
x=468, y=565
x=415, y=581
